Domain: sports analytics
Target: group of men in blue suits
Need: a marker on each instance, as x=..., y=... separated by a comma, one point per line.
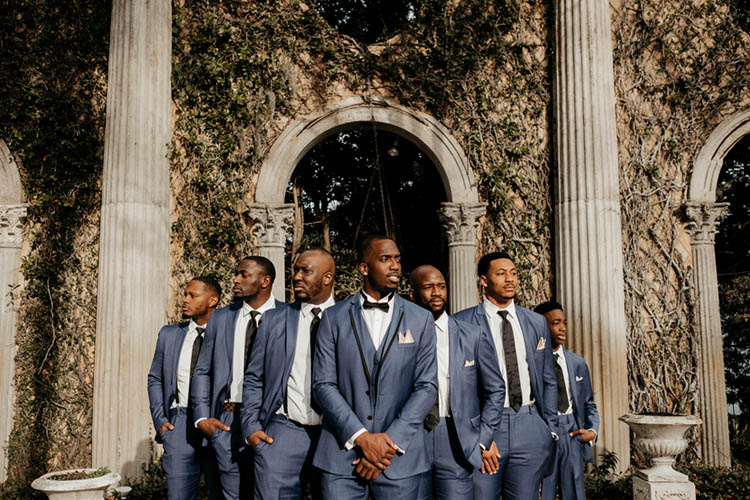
x=376, y=396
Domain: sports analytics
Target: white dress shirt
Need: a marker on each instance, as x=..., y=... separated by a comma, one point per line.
x=377, y=323
x=560, y=360
x=443, y=365
x=299, y=385
x=183, y=365
x=238, y=356
x=491, y=310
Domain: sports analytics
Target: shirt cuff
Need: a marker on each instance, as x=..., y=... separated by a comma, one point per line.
x=196, y=422
x=484, y=448
x=350, y=444
x=399, y=450
x=596, y=434
x=555, y=436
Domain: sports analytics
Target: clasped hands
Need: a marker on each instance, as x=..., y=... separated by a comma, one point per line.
x=377, y=451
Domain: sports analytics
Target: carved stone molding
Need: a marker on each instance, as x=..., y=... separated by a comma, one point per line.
x=11, y=225
x=703, y=220
x=271, y=222
x=460, y=221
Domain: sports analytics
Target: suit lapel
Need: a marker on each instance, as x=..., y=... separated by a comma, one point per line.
x=292, y=325
x=175, y=353
x=529, y=339
x=391, y=331
x=453, y=356
x=368, y=347
x=229, y=328
x=482, y=319
x=571, y=381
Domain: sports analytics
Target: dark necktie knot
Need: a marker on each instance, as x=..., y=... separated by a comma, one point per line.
x=200, y=331
x=254, y=314
x=383, y=306
x=504, y=315
x=316, y=311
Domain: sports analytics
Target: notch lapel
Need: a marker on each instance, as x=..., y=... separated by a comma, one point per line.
x=391, y=331
x=482, y=319
x=175, y=351
x=530, y=343
x=572, y=383
x=454, y=361
x=230, y=323
x=292, y=325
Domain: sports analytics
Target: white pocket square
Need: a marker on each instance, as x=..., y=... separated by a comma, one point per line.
x=469, y=362
x=578, y=379
x=541, y=345
x=405, y=338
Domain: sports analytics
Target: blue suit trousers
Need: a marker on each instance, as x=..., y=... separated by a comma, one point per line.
x=451, y=474
x=283, y=469
x=233, y=457
x=568, y=469
x=337, y=487
x=526, y=445
x=184, y=460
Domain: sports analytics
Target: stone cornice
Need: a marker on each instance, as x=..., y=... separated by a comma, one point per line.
x=271, y=222
x=703, y=220
x=460, y=221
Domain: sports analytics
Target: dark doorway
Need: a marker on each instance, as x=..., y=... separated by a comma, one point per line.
x=362, y=181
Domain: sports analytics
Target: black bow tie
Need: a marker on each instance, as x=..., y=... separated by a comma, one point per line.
x=383, y=306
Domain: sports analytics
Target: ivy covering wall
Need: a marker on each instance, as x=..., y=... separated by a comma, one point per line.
x=243, y=70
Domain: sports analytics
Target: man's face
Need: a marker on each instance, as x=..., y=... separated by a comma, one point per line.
x=430, y=291
x=198, y=299
x=248, y=279
x=312, y=274
x=382, y=265
x=558, y=326
x=501, y=280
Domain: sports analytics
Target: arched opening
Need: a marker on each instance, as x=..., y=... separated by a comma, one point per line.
x=272, y=218
x=361, y=181
x=733, y=273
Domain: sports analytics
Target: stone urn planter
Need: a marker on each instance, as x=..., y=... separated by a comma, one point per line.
x=62, y=485
x=661, y=438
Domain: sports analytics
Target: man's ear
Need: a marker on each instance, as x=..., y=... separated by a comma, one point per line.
x=213, y=301
x=265, y=281
x=411, y=294
x=363, y=268
x=327, y=278
x=483, y=281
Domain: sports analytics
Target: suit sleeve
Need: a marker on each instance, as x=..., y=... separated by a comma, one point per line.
x=549, y=379
x=492, y=387
x=200, y=394
x=590, y=411
x=339, y=417
x=252, y=384
x=424, y=390
x=156, y=386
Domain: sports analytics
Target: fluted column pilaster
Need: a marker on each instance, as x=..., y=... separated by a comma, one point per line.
x=271, y=225
x=134, y=273
x=460, y=221
x=703, y=222
x=11, y=231
x=588, y=234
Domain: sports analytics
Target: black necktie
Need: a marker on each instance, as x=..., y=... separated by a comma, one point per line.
x=314, y=324
x=197, y=344
x=252, y=328
x=562, y=392
x=433, y=418
x=383, y=306
x=511, y=363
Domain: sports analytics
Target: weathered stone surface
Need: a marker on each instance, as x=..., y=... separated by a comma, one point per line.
x=270, y=226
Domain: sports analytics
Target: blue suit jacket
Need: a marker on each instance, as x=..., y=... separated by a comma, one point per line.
x=477, y=391
x=541, y=362
x=267, y=373
x=162, y=377
x=401, y=389
x=584, y=408
x=213, y=372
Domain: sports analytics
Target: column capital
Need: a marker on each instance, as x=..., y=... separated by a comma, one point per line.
x=11, y=225
x=703, y=220
x=270, y=222
x=460, y=221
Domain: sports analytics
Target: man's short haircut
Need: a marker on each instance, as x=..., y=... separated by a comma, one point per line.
x=211, y=283
x=548, y=306
x=266, y=264
x=364, y=244
x=484, y=262
x=323, y=251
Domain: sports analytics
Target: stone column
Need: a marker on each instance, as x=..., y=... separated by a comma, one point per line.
x=703, y=222
x=11, y=230
x=460, y=221
x=134, y=263
x=588, y=234
x=270, y=225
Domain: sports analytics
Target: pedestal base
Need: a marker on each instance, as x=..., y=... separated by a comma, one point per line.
x=644, y=490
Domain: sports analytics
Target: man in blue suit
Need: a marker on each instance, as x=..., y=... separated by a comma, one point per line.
x=470, y=399
x=217, y=386
x=374, y=377
x=169, y=381
x=577, y=416
x=279, y=418
x=524, y=442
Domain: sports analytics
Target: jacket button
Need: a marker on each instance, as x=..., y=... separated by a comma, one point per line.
x=367, y=392
x=369, y=417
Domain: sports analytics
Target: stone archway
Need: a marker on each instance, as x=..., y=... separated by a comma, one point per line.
x=459, y=215
x=703, y=216
x=12, y=213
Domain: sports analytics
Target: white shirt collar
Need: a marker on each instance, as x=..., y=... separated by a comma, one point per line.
x=269, y=304
x=307, y=307
x=442, y=322
x=492, y=309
